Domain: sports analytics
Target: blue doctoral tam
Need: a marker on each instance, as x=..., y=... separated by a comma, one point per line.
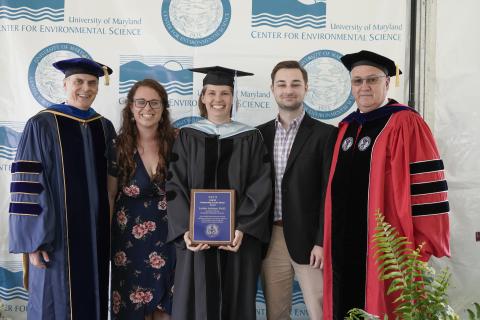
x=83, y=66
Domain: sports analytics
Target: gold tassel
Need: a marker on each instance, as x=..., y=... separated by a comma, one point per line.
x=25, y=270
x=397, y=76
x=106, y=75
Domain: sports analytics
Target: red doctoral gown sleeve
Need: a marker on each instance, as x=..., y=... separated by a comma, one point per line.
x=407, y=184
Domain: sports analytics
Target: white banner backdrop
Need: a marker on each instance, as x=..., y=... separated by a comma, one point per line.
x=161, y=39
x=457, y=130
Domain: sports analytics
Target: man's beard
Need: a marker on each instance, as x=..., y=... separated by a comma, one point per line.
x=290, y=108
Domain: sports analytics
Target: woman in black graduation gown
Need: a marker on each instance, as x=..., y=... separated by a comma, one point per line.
x=218, y=153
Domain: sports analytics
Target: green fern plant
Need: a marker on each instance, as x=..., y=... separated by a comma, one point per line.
x=421, y=293
x=474, y=315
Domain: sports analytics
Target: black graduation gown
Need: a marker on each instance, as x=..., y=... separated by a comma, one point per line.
x=217, y=284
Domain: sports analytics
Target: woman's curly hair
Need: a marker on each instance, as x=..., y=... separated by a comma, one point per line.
x=126, y=143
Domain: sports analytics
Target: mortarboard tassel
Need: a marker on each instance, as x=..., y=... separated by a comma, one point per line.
x=397, y=76
x=107, y=76
x=235, y=97
x=25, y=266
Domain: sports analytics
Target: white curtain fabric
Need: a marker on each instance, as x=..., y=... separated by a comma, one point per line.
x=457, y=118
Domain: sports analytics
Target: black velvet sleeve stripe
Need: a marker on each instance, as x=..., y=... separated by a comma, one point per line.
x=27, y=167
x=426, y=166
x=430, y=187
x=430, y=208
x=25, y=208
x=26, y=187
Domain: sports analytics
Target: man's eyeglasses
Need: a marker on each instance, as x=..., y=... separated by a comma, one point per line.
x=373, y=80
x=142, y=103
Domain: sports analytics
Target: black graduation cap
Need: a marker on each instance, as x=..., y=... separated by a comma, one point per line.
x=83, y=65
x=220, y=76
x=369, y=58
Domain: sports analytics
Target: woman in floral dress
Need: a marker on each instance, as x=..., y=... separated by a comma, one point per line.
x=142, y=263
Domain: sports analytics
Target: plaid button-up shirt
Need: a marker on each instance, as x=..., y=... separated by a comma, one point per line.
x=281, y=150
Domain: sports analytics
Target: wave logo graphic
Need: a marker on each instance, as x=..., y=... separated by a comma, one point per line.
x=10, y=133
x=196, y=23
x=171, y=72
x=297, y=297
x=329, y=91
x=46, y=82
x=296, y=14
x=11, y=282
x=32, y=10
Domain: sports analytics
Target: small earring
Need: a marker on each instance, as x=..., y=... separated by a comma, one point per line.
x=132, y=119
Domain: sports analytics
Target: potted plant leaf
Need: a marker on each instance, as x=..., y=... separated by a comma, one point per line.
x=422, y=293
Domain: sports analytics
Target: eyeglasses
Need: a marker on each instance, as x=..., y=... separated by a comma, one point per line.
x=373, y=80
x=142, y=103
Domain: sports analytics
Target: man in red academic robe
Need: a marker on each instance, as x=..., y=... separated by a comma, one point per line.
x=385, y=159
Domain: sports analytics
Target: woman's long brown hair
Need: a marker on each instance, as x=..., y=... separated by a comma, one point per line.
x=128, y=134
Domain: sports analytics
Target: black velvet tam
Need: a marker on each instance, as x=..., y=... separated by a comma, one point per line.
x=369, y=58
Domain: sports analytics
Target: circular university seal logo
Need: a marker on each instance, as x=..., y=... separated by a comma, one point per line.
x=329, y=91
x=364, y=143
x=44, y=80
x=212, y=230
x=347, y=143
x=196, y=23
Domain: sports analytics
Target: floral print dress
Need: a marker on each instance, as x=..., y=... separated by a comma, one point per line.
x=142, y=264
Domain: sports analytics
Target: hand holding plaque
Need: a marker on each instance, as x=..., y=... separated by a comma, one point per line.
x=212, y=216
x=236, y=243
x=193, y=247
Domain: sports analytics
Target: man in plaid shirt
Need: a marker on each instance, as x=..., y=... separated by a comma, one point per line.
x=300, y=149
